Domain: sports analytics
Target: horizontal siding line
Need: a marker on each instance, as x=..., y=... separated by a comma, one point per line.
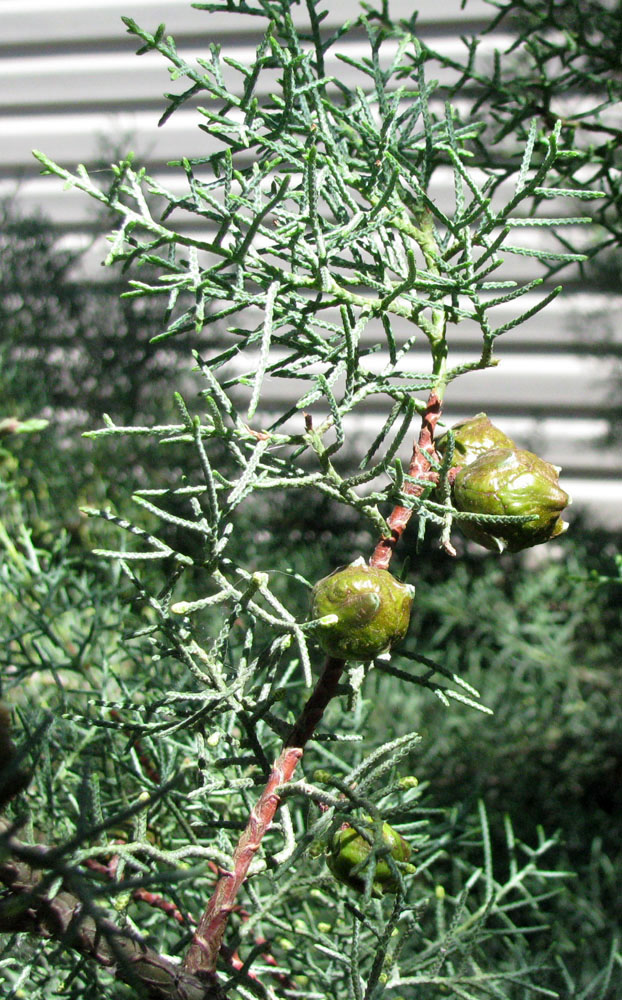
x=86, y=123
x=85, y=226
x=524, y=407
x=580, y=456
x=150, y=105
x=547, y=350
x=520, y=407
x=127, y=94
x=27, y=9
x=600, y=501
x=140, y=91
x=574, y=307
x=174, y=178
x=112, y=94
x=519, y=269
x=521, y=385
x=71, y=209
x=563, y=328
x=115, y=38
x=94, y=18
x=26, y=81
x=75, y=136
x=59, y=64
x=585, y=433
x=592, y=489
x=82, y=119
x=91, y=107
x=524, y=364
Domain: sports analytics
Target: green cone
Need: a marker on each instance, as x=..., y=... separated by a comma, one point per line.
x=349, y=849
x=474, y=437
x=506, y=481
x=372, y=609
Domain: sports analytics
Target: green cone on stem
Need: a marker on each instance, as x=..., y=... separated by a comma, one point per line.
x=372, y=611
x=349, y=849
x=506, y=481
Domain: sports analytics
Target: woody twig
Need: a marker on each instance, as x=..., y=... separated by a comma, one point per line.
x=79, y=924
x=420, y=469
x=206, y=943
x=203, y=953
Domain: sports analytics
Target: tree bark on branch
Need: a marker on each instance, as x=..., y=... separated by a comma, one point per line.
x=84, y=928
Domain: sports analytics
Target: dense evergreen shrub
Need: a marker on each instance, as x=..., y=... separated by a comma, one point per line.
x=180, y=765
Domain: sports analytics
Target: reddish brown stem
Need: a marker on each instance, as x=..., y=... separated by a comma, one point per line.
x=420, y=468
x=150, y=898
x=159, y=903
x=323, y=692
x=203, y=952
x=236, y=963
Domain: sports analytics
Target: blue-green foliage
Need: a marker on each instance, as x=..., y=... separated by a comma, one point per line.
x=152, y=686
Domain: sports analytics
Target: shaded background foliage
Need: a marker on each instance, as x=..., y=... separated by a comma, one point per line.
x=70, y=351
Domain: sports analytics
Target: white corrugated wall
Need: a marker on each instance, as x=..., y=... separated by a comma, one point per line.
x=71, y=86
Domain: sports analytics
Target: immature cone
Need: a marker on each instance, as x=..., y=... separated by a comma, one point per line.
x=474, y=437
x=372, y=611
x=510, y=481
x=349, y=849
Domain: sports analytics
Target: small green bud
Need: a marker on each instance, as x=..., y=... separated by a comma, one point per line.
x=473, y=437
x=409, y=781
x=372, y=609
x=510, y=481
x=322, y=777
x=349, y=850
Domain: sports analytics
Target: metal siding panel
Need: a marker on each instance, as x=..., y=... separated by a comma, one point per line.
x=119, y=78
x=58, y=21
